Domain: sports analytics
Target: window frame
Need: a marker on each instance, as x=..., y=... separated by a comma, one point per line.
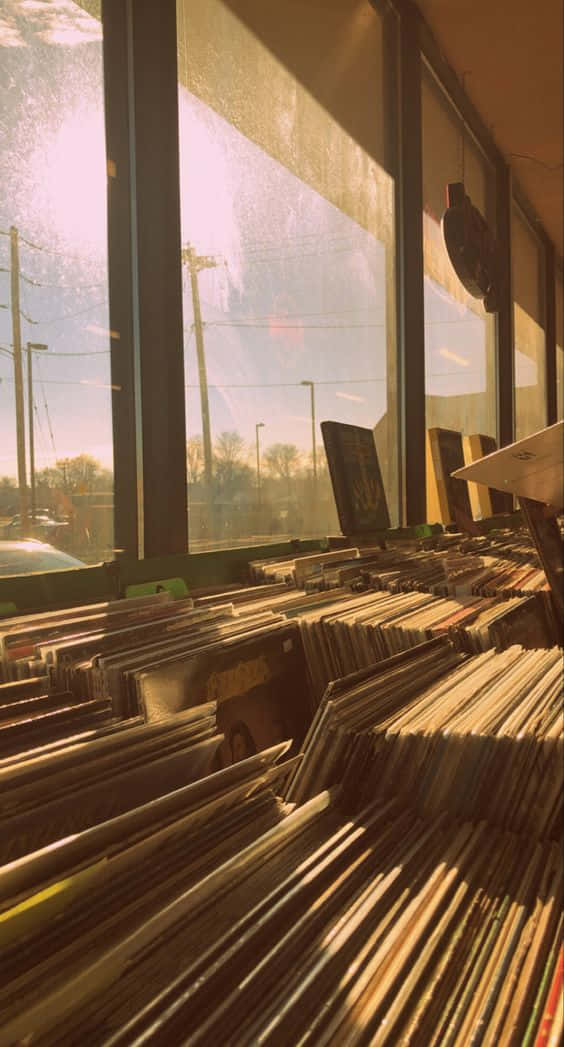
x=144, y=237
x=547, y=299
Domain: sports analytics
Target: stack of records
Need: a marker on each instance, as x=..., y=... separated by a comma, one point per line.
x=510, y=544
x=62, y=786
x=298, y=569
x=237, y=649
x=453, y=572
x=49, y=718
x=380, y=928
x=475, y=736
x=67, y=904
x=20, y=636
x=451, y=564
x=357, y=630
x=448, y=567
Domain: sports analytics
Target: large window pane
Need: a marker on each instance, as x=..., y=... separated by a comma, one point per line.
x=460, y=387
x=559, y=346
x=288, y=251
x=53, y=257
x=528, y=320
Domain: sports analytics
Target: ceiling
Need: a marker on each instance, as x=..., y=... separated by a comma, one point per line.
x=509, y=54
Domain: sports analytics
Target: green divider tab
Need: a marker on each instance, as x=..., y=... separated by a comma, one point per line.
x=176, y=586
x=426, y=530
x=7, y=609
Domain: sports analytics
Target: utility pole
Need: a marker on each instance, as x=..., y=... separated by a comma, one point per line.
x=313, y=445
x=259, y=425
x=32, y=347
x=195, y=264
x=18, y=375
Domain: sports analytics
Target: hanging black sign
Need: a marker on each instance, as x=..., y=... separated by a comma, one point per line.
x=471, y=247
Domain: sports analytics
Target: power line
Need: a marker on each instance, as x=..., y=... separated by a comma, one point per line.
x=292, y=385
x=298, y=257
x=274, y=320
x=268, y=385
x=86, y=352
x=46, y=409
x=50, y=250
x=289, y=327
x=63, y=381
x=60, y=287
x=46, y=250
x=43, y=441
x=66, y=316
x=299, y=316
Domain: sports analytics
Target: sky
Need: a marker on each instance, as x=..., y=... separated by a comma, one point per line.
x=295, y=291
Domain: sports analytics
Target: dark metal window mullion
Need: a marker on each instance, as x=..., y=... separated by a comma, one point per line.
x=505, y=325
x=121, y=335
x=157, y=186
x=550, y=331
x=411, y=312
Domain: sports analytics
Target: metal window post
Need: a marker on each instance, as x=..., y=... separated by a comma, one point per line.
x=145, y=275
x=411, y=312
x=550, y=332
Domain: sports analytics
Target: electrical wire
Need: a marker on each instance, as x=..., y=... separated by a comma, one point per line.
x=86, y=352
x=290, y=327
x=61, y=287
x=46, y=409
x=63, y=381
x=42, y=438
x=299, y=257
x=299, y=316
x=268, y=385
x=49, y=250
x=290, y=385
x=65, y=316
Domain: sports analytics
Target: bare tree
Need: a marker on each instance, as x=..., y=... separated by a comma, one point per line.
x=80, y=475
x=231, y=471
x=194, y=459
x=229, y=448
x=282, y=461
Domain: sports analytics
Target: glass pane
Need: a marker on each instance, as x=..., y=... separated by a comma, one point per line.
x=55, y=385
x=529, y=336
x=288, y=252
x=559, y=346
x=460, y=338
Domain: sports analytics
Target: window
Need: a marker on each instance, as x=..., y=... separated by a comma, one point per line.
x=55, y=394
x=559, y=346
x=460, y=339
x=528, y=321
x=288, y=259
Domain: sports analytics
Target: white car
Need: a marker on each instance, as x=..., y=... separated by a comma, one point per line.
x=29, y=556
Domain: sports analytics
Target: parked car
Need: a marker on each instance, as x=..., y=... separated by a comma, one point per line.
x=42, y=524
x=29, y=555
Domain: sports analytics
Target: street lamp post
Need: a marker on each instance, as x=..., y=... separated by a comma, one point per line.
x=259, y=425
x=313, y=447
x=32, y=347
